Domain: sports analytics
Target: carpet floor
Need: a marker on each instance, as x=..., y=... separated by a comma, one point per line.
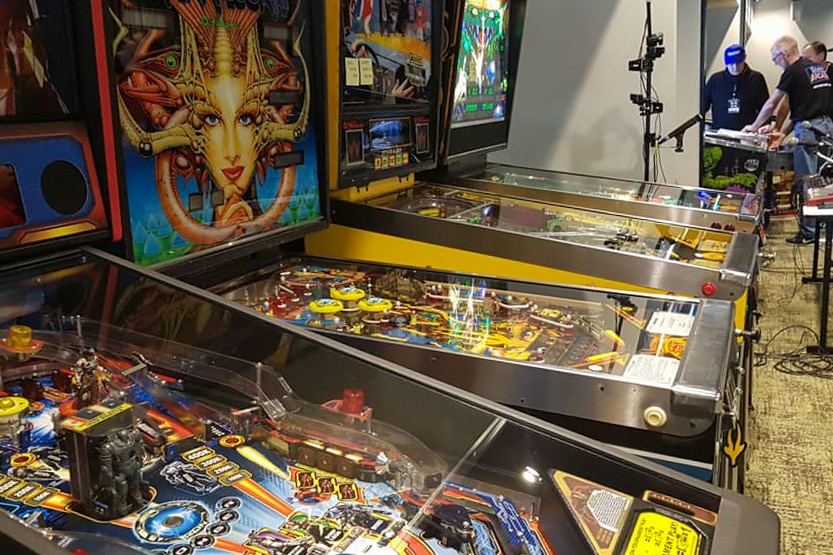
x=790, y=459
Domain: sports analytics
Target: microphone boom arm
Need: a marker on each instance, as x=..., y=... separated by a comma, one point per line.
x=679, y=131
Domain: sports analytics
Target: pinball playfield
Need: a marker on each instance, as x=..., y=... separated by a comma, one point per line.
x=622, y=233
x=174, y=457
x=616, y=334
x=727, y=210
x=108, y=445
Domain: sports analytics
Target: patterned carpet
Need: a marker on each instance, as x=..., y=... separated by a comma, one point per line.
x=791, y=431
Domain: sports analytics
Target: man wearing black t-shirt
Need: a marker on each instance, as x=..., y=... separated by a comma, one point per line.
x=816, y=52
x=736, y=94
x=809, y=87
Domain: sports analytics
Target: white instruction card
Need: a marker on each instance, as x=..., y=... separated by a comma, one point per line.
x=652, y=369
x=351, y=72
x=670, y=323
x=366, y=71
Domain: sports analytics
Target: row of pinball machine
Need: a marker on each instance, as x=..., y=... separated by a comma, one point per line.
x=262, y=294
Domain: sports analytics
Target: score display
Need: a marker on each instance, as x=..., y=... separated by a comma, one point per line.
x=482, y=64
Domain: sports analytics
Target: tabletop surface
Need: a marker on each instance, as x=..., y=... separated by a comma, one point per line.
x=817, y=212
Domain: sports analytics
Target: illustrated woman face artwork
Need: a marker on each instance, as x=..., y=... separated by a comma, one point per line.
x=230, y=145
x=201, y=109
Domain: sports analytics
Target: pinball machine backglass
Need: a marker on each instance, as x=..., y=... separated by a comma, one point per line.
x=220, y=141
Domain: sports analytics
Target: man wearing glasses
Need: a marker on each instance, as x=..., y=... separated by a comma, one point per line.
x=810, y=91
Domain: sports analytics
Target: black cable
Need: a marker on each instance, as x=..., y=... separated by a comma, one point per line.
x=642, y=84
x=797, y=362
x=659, y=167
x=796, y=270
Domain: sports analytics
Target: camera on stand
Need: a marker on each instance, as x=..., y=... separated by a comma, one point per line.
x=654, y=50
x=655, y=47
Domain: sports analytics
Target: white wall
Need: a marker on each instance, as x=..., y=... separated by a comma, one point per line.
x=770, y=20
x=722, y=30
x=808, y=20
x=572, y=110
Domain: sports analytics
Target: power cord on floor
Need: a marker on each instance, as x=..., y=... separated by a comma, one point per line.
x=797, y=362
x=798, y=270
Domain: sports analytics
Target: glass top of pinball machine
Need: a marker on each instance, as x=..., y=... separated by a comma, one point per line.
x=647, y=238
x=580, y=330
x=740, y=203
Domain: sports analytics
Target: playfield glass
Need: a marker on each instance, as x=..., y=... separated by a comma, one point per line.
x=740, y=203
x=117, y=423
x=584, y=331
x=482, y=64
x=648, y=238
x=215, y=102
x=602, y=333
x=386, y=48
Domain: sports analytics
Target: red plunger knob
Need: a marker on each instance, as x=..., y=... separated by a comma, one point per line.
x=708, y=289
x=352, y=402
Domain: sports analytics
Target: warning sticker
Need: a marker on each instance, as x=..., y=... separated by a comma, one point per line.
x=652, y=369
x=352, y=74
x=607, y=508
x=599, y=511
x=657, y=534
x=671, y=323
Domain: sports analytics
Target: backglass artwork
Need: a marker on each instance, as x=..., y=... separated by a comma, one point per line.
x=214, y=100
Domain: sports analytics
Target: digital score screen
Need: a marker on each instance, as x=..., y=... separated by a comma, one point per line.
x=482, y=64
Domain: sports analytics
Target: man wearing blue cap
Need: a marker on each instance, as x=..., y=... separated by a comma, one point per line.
x=736, y=94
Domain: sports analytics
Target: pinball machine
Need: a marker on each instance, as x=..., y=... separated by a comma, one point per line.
x=139, y=414
x=729, y=206
x=473, y=124
x=155, y=418
x=654, y=375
